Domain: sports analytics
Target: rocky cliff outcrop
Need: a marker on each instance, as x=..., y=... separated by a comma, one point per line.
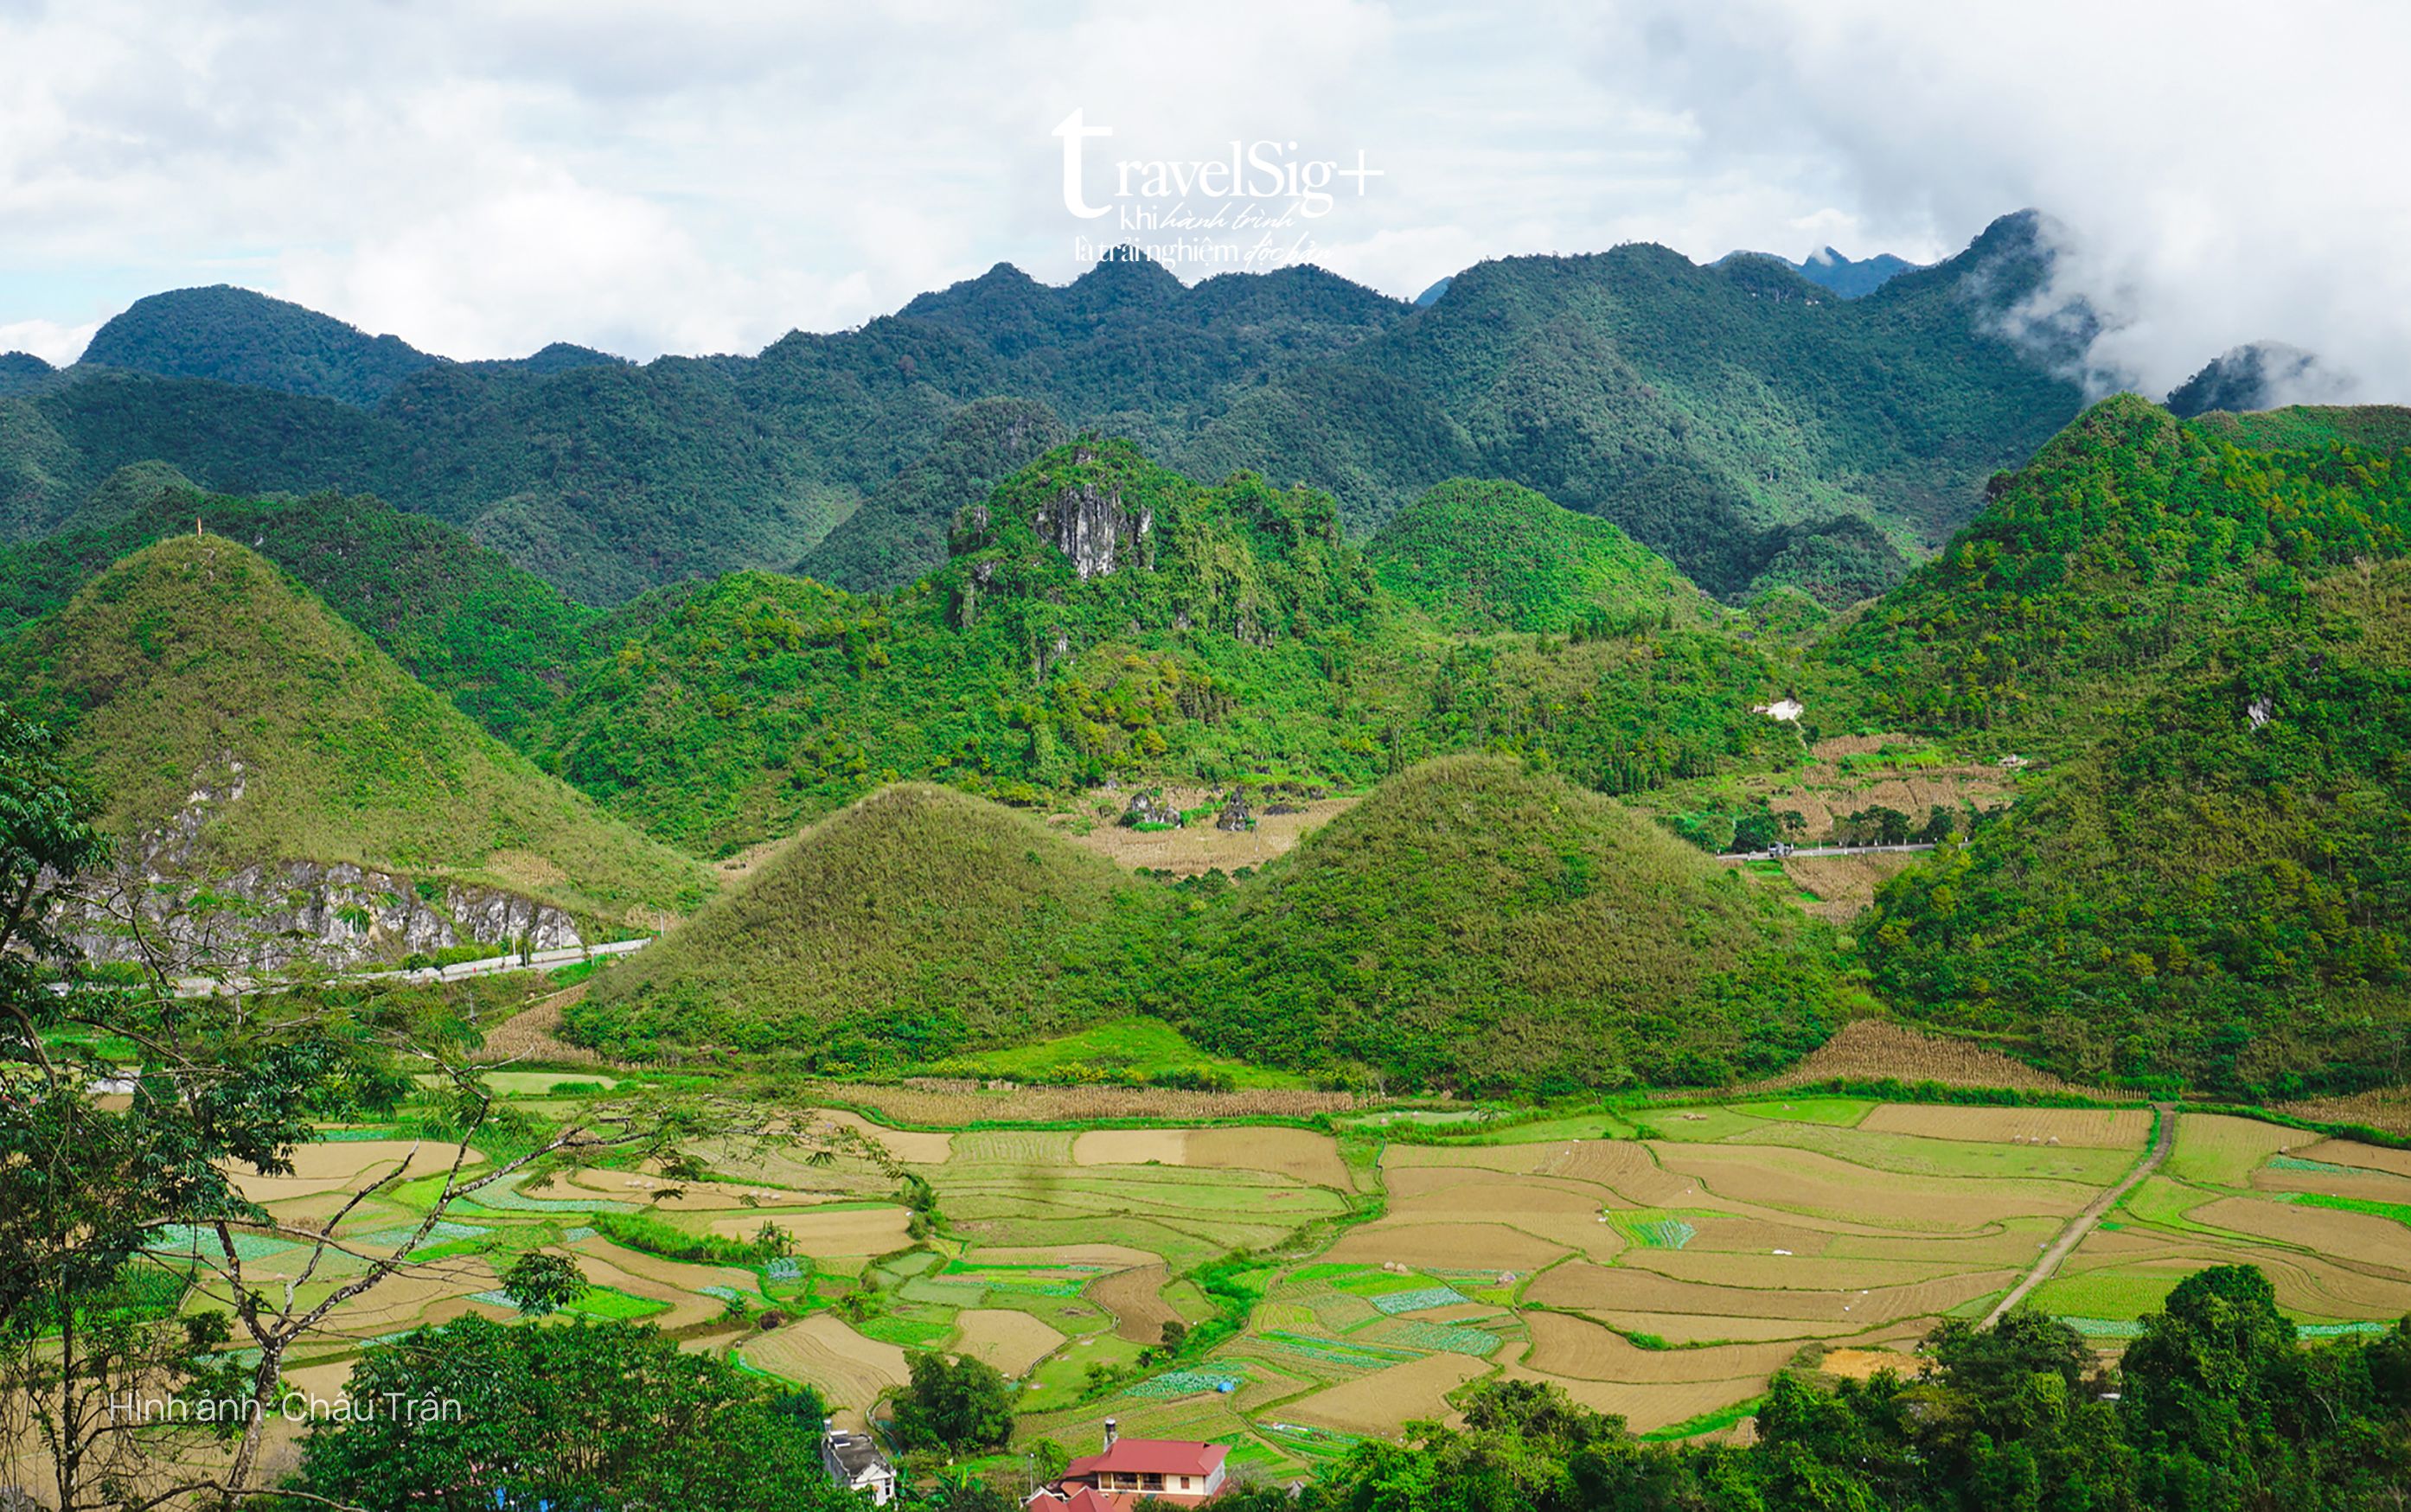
x=1086, y=518
x=340, y=915
x=190, y=908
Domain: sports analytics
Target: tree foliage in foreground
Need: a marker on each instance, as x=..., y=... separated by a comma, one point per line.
x=611, y=1415
x=2217, y=1408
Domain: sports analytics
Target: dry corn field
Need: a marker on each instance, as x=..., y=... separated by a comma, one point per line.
x=1876, y=1048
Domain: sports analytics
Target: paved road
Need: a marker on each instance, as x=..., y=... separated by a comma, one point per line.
x=488, y=965
x=2083, y=1222
x=1825, y=851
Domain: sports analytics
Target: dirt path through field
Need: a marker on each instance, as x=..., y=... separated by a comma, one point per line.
x=2083, y=1222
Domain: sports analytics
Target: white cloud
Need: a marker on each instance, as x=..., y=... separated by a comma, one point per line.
x=483, y=176
x=2223, y=170
x=55, y=343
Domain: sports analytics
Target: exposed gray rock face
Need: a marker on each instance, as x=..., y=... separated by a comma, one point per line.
x=1088, y=521
x=1151, y=809
x=1235, y=813
x=1088, y=524
x=338, y=914
x=269, y=915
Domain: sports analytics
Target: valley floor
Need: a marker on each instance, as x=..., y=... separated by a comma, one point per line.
x=1660, y=1261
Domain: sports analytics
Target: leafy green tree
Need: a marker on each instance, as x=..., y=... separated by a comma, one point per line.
x=542, y=1282
x=580, y=1415
x=954, y=1404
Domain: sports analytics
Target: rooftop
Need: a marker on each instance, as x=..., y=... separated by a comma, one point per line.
x=1151, y=1457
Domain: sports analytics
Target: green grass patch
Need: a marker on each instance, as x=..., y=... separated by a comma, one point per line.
x=1707, y=1422
x=610, y=1302
x=2107, y=1293
x=1143, y=1048
x=2399, y=1211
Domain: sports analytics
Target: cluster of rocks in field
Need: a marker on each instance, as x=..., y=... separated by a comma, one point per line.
x=1150, y=807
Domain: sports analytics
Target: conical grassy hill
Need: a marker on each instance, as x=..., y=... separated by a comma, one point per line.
x=917, y=922
x=1477, y=922
x=228, y=719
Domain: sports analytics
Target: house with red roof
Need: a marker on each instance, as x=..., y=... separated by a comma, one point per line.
x=1173, y=1470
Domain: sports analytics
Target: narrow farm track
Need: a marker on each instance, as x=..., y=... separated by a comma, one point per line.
x=2164, y=1139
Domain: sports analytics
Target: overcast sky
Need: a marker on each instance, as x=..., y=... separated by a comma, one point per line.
x=486, y=176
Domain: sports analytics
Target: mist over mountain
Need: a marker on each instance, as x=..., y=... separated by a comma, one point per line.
x=2259, y=375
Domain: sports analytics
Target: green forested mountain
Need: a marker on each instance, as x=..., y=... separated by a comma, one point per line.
x=20, y=371
x=227, y=717
x=2206, y=881
x=1237, y=639
x=1739, y=419
x=899, y=531
x=503, y=644
x=1714, y=412
x=240, y=337
x=2132, y=550
x=1494, y=556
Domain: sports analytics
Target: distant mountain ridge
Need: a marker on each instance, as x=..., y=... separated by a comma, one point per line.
x=1736, y=418
x=235, y=336
x=1829, y=269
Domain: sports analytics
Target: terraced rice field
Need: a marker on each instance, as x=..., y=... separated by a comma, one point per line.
x=1663, y=1277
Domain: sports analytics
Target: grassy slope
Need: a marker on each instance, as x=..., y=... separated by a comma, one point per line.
x=457, y=616
x=196, y=652
x=917, y=922
x=1475, y=918
x=1487, y=556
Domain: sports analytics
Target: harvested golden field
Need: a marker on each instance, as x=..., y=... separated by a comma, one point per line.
x=951, y=1105
x=1802, y=1181
x=1844, y=886
x=2360, y=1182
x=846, y=1231
x=1012, y=1342
x=2353, y=1152
x=1483, y=1245
x=2121, y=1128
x=1131, y=1147
x=2325, y=1231
x=1518, y=1160
x=914, y=1147
x=1699, y=1328
x=1863, y=1364
x=1580, y=1350
x=535, y=1035
x=1379, y=1403
x=850, y=1370
x=1194, y=848
x=1598, y=1288
x=1299, y=1153
x=1645, y=1406
x=347, y=1165
x=1136, y=1298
